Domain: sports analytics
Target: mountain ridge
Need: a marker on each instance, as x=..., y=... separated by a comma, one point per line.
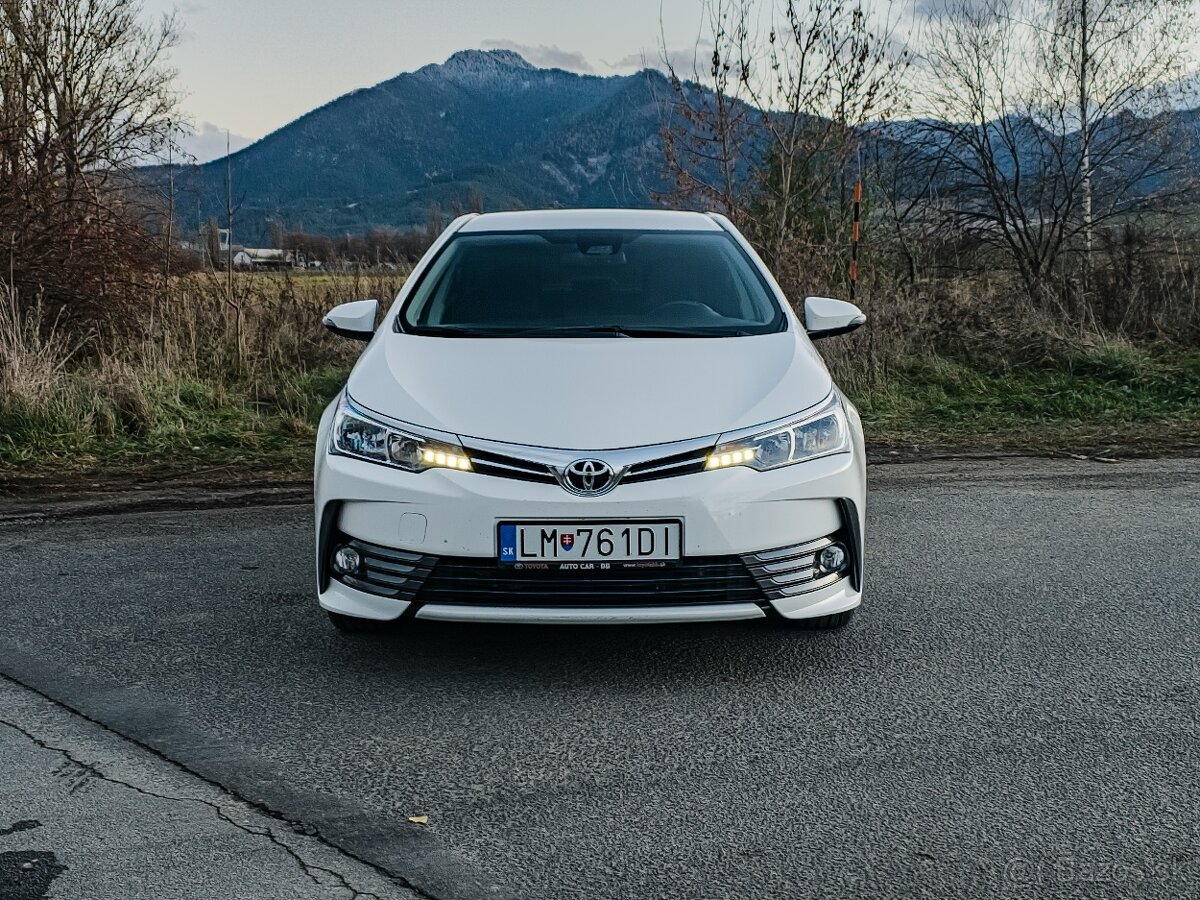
x=485, y=122
x=485, y=126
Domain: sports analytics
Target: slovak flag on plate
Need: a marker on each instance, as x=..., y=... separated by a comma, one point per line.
x=568, y=541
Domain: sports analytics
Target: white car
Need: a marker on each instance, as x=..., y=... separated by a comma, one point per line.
x=605, y=416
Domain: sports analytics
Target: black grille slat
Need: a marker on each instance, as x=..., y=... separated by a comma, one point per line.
x=501, y=466
x=791, y=571
x=390, y=568
x=385, y=578
x=387, y=571
x=531, y=588
x=667, y=467
x=755, y=578
x=471, y=581
x=386, y=553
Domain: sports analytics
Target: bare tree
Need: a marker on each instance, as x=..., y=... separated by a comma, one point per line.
x=769, y=131
x=1053, y=119
x=84, y=96
x=709, y=133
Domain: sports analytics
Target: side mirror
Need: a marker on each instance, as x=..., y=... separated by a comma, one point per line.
x=353, y=320
x=824, y=317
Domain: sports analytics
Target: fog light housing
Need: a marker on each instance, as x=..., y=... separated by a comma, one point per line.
x=346, y=561
x=833, y=558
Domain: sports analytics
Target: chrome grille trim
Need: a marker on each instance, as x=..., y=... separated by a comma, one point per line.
x=789, y=571
x=797, y=550
x=669, y=467
x=547, y=464
x=487, y=463
x=386, y=571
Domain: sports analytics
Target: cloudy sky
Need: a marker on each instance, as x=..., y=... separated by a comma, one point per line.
x=250, y=66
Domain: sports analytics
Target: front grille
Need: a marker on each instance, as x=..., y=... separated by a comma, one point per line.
x=539, y=465
x=697, y=580
x=754, y=578
x=667, y=467
x=504, y=466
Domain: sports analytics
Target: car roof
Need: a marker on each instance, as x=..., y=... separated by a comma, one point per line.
x=600, y=219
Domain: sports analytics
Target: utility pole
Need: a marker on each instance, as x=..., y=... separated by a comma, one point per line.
x=237, y=308
x=1085, y=139
x=170, y=205
x=856, y=233
x=228, y=217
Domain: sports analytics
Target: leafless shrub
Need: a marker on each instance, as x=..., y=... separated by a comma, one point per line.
x=1051, y=122
x=767, y=132
x=83, y=96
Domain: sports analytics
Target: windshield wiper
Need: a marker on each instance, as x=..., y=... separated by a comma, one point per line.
x=564, y=331
x=652, y=331
x=633, y=331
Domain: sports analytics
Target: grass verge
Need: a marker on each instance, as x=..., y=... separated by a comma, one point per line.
x=1114, y=401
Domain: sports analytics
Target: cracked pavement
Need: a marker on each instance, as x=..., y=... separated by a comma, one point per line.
x=86, y=814
x=1014, y=713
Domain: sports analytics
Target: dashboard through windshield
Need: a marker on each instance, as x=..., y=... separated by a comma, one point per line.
x=592, y=283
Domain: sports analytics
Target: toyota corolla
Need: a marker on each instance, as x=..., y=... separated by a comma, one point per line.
x=604, y=416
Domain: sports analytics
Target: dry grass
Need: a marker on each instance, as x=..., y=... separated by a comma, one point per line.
x=214, y=379
x=207, y=376
x=34, y=353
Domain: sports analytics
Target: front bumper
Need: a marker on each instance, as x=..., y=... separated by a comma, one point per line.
x=442, y=525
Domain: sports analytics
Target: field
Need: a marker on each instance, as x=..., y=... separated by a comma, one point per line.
x=213, y=382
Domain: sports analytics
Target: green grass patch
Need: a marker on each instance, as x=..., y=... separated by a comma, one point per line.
x=117, y=423
x=170, y=425
x=947, y=400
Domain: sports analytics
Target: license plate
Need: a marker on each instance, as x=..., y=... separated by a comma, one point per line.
x=590, y=546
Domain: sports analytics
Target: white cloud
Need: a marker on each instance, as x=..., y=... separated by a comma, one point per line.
x=935, y=8
x=685, y=61
x=546, y=56
x=207, y=142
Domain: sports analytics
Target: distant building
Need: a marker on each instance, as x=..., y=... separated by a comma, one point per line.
x=268, y=260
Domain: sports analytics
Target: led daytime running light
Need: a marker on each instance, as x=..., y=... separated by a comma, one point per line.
x=731, y=458
x=358, y=435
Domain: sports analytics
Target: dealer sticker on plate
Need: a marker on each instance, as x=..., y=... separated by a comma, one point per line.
x=590, y=545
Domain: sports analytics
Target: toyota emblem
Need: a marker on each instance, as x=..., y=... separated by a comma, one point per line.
x=589, y=477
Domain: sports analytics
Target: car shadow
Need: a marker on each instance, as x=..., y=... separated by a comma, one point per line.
x=633, y=654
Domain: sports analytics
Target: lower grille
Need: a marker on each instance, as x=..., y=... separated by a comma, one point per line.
x=754, y=578
x=698, y=580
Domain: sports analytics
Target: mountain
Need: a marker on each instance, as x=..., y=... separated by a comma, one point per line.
x=488, y=125
x=484, y=122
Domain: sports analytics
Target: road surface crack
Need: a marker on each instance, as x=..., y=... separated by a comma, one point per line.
x=310, y=870
x=294, y=824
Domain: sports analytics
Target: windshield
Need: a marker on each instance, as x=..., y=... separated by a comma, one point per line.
x=611, y=283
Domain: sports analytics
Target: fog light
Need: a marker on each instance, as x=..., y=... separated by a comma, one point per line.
x=833, y=558
x=346, y=561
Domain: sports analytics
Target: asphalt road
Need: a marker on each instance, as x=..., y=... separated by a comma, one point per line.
x=86, y=816
x=1013, y=713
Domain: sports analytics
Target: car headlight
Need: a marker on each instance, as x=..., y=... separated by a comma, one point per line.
x=822, y=432
x=358, y=435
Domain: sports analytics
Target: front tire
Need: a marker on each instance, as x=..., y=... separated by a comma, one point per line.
x=356, y=625
x=831, y=622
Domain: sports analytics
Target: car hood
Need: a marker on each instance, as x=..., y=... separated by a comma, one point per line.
x=588, y=393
